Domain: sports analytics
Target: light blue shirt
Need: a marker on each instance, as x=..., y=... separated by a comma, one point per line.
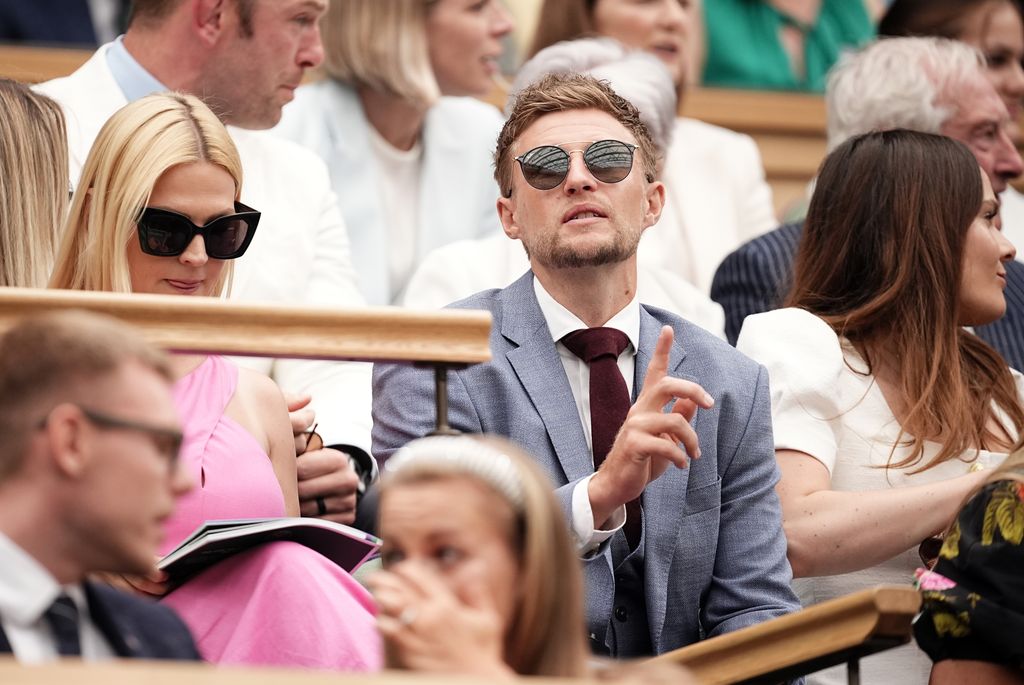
x=131, y=77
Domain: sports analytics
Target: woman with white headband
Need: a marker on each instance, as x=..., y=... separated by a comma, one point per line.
x=480, y=573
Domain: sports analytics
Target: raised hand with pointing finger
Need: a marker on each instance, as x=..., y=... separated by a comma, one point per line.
x=650, y=439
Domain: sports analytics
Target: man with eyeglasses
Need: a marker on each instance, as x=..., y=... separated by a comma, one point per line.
x=88, y=474
x=674, y=510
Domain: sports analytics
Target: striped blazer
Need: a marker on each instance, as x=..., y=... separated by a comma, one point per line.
x=757, y=275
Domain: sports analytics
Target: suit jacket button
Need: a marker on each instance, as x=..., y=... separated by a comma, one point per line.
x=621, y=614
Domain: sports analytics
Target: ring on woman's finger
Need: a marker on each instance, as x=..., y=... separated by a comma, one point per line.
x=321, y=506
x=407, y=616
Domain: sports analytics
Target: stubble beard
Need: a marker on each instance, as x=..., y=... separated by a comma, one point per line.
x=555, y=253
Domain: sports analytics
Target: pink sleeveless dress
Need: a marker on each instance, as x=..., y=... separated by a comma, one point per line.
x=280, y=604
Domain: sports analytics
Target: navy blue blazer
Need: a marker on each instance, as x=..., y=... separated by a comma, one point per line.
x=136, y=628
x=757, y=275
x=46, y=21
x=714, y=550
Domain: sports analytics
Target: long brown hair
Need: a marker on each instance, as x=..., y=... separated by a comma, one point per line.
x=880, y=261
x=943, y=18
x=560, y=20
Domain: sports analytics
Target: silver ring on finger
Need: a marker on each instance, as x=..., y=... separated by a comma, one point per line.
x=408, y=616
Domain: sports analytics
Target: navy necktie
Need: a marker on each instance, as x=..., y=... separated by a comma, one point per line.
x=63, y=619
x=609, y=401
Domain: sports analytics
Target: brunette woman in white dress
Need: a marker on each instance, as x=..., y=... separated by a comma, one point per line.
x=886, y=409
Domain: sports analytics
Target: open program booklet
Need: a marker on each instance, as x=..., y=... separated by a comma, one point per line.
x=216, y=540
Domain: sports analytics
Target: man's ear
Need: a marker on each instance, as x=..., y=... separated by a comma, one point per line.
x=655, y=200
x=507, y=215
x=68, y=445
x=208, y=19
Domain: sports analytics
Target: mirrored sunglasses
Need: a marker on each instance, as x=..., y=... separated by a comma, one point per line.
x=163, y=233
x=545, y=167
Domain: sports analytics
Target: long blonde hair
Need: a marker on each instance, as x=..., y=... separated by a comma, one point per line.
x=132, y=151
x=33, y=184
x=547, y=633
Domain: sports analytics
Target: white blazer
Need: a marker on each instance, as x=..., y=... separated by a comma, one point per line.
x=717, y=200
x=457, y=192
x=466, y=267
x=300, y=254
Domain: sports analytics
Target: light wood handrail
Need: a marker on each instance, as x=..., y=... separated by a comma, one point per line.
x=197, y=324
x=176, y=673
x=819, y=636
x=34, y=64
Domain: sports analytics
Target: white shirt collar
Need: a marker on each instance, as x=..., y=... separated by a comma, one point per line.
x=27, y=589
x=561, y=321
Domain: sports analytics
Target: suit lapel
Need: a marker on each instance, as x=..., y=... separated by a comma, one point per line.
x=5, y=645
x=122, y=640
x=539, y=368
x=664, y=500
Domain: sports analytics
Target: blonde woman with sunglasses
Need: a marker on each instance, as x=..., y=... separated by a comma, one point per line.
x=157, y=211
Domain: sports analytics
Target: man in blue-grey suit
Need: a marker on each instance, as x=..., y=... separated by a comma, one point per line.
x=923, y=84
x=674, y=509
x=88, y=474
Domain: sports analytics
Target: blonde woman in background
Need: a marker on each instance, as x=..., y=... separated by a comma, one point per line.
x=408, y=154
x=157, y=211
x=33, y=184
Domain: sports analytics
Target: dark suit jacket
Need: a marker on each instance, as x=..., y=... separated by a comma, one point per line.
x=46, y=21
x=715, y=555
x=136, y=628
x=756, y=277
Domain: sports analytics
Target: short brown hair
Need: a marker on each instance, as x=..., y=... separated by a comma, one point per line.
x=152, y=11
x=52, y=358
x=561, y=93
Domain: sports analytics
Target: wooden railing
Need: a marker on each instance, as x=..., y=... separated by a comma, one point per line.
x=441, y=339
x=35, y=65
x=839, y=631
x=789, y=129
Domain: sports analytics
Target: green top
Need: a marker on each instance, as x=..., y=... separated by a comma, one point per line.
x=744, y=51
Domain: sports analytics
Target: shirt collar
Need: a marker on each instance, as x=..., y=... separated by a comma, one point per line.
x=27, y=589
x=131, y=77
x=561, y=321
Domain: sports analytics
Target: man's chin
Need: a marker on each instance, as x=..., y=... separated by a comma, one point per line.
x=584, y=259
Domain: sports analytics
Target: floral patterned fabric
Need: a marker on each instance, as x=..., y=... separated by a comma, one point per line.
x=974, y=598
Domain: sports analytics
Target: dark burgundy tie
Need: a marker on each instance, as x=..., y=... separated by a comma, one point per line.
x=609, y=400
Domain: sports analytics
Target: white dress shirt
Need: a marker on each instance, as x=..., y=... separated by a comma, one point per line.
x=26, y=591
x=561, y=322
